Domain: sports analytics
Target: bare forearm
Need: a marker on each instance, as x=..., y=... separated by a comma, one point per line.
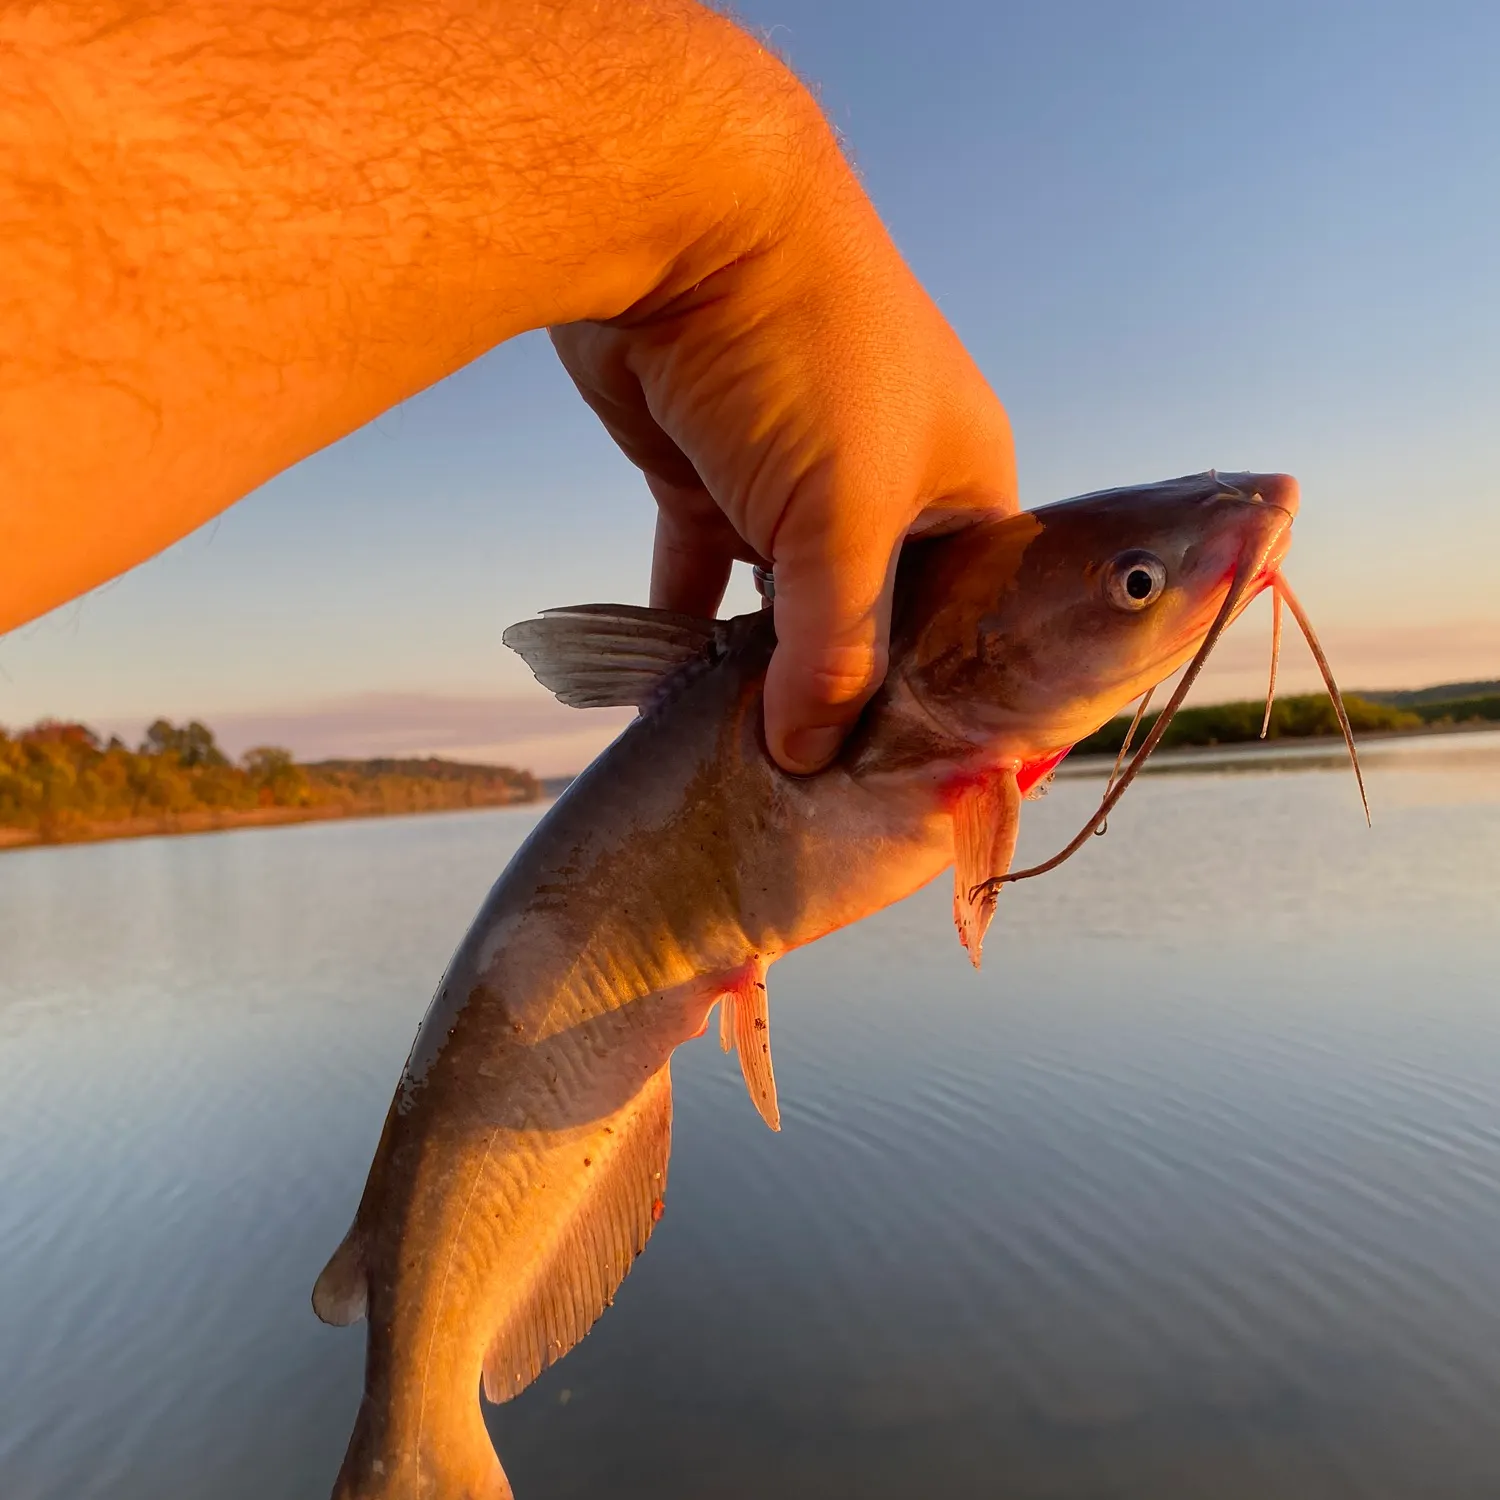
x=230, y=234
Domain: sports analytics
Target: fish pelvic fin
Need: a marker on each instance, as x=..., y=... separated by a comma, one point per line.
x=574, y=1276
x=745, y=1025
x=986, y=819
x=615, y=655
x=341, y=1294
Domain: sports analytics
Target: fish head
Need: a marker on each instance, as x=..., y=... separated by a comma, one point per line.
x=1024, y=635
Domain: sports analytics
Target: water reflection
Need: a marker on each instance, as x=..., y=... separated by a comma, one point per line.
x=1192, y=1191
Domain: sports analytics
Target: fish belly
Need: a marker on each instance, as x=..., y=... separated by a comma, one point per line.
x=506, y=1204
x=524, y=1160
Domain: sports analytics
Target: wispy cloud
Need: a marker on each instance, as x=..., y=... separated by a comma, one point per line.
x=1370, y=656
x=532, y=731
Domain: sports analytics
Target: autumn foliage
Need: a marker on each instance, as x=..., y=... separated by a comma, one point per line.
x=60, y=781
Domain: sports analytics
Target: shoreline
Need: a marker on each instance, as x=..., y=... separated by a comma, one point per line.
x=182, y=825
x=1082, y=764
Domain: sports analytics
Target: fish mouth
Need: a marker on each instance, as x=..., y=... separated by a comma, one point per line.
x=1280, y=490
x=1269, y=492
x=1270, y=503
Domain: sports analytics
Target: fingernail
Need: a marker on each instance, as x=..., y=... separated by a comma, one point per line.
x=809, y=750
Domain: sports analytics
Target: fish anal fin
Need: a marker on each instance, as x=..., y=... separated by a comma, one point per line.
x=986, y=819
x=341, y=1293
x=614, y=655
x=575, y=1274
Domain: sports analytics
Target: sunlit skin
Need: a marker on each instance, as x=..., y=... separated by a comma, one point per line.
x=523, y=1163
x=232, y=234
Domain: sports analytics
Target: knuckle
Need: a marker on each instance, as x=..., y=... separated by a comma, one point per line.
x=843, y=674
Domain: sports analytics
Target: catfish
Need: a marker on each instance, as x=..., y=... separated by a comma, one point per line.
x=523, y=1162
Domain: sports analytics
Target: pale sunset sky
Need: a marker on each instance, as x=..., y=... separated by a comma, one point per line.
x=1174, y=236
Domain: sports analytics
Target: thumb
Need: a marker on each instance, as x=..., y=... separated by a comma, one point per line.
x=833, y=611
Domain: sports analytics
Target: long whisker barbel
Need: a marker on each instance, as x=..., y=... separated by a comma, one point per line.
x=1243, y=577
x=1284, y=593
x=1125, y=744
x=1265, y=724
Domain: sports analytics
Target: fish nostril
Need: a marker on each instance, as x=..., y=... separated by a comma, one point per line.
x=1268, y=489
x=1276, y=489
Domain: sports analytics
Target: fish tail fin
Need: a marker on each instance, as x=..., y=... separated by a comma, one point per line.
x=454, y=1461
x=595, y=1193
x=445, y=1454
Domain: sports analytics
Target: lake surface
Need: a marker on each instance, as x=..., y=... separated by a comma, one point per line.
x=1194, y=1191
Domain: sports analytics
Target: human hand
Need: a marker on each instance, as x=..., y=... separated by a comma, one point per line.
x=804, y=405
x=270, y=247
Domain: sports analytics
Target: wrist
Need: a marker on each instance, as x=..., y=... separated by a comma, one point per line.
x=735, y=160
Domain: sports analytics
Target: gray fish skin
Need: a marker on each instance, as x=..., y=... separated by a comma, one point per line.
x=523, y=1161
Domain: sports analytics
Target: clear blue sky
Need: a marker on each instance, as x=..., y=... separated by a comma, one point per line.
x=1175, y=236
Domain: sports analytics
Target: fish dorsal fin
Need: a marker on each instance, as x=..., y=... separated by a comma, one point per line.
x=745, y=1024
x=614, y=655
x=986, y=819
x=576, y=1271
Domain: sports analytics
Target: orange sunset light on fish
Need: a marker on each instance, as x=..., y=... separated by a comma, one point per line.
x=523, y=1165
x=599, y=651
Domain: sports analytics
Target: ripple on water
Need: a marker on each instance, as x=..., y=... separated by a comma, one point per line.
x=1194, y=1190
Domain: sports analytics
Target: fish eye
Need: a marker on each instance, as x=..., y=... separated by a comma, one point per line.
x=1135, y=581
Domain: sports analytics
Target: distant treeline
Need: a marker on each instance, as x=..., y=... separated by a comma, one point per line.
x=1302, y=717
x=62, y=781
x=1445, y=694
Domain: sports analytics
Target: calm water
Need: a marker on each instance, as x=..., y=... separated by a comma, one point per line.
x=1194, y=1191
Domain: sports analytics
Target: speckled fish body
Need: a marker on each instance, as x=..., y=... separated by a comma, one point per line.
x=523, y=1162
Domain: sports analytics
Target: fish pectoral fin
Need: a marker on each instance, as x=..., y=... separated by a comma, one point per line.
x=573, y=1274
x=745, y=1024
x=986, y=820
x=613, y=655
x=342, y=1291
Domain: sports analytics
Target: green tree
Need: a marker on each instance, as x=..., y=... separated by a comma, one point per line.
x=193, y=745
x=280, y=781
x=62, y=781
